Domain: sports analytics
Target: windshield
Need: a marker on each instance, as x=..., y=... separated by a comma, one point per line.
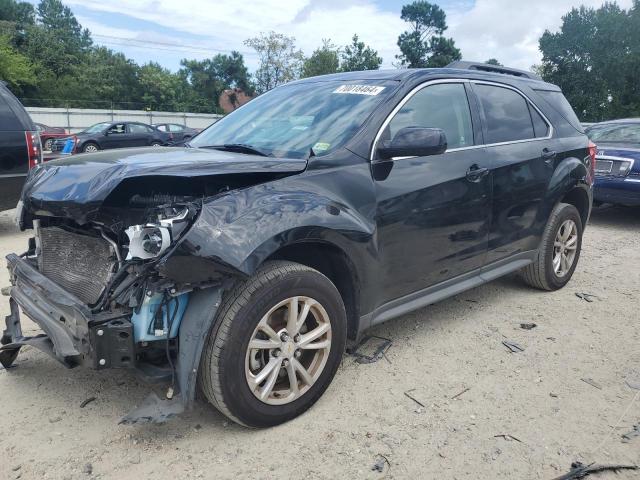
x=615, y=133
x=98, y=127
x=291, y=120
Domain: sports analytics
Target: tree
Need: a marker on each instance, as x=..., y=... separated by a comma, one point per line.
x=280, y=60
x=323, y=60
x=20, y=13
x=595, y=59
x=357, y=56
x=493, y=61
x=15, y=68
x=424, y=45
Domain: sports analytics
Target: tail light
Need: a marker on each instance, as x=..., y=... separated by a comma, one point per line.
x=34, y=148
x=592, y=163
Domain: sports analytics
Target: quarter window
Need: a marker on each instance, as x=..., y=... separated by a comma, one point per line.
x=506, y=113
x=443, y=106
x=540, y=126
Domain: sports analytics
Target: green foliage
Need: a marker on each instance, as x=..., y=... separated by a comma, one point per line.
x=15, y=68
x=48, y=59
x=493, y=61
x=595, y=59
x=423, y=45
x=280, y=60
x=323, y=60
x=357, y=56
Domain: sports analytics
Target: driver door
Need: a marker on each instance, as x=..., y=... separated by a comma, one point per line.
x=433, y=212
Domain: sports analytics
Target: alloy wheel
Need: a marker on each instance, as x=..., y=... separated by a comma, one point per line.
x=565, y=247
x=288, y=350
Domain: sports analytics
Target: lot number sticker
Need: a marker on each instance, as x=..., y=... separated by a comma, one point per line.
x=359, y=89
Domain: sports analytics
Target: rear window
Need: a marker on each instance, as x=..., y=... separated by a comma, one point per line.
x=562, y=106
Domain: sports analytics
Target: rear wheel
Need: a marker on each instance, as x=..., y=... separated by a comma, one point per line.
x=90, y=147
x=155, y=143
x=48, y=143
x=559, y=251
x=275, y=346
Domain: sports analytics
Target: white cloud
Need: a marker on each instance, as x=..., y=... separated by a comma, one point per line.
x=509, y=30
x=505, y=29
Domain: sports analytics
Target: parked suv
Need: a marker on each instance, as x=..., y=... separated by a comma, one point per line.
x=247, y=261
x=107, y=135
x=20, y=147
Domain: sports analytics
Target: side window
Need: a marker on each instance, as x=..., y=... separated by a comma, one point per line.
x=175, y=128
x=162, y=128
x=117, y=128
x=137, y=128
x=442, y=106
x=540, y=126
x=506, y=112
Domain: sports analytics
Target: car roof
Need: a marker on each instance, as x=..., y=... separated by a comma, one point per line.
x=424, y=74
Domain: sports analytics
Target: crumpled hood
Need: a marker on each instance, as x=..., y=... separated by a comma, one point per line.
x=88, y=179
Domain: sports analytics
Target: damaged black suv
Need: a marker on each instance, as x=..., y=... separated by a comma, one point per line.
x=245, y=262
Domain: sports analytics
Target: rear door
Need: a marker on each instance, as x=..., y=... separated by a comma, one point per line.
x=141, y=135
x=433, y=211
x=117, y=136
x=522, y=151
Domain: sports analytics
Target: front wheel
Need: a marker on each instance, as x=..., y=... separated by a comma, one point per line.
x=275, y=346
x=559, y=250
x=156, y=144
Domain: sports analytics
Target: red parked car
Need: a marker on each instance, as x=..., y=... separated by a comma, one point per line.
x=49, y=134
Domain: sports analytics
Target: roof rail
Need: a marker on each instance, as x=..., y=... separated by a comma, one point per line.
x=485, y=67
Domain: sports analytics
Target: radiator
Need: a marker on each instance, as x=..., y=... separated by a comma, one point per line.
x=81, y=264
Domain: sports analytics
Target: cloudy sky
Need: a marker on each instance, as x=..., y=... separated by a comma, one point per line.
x=168, y=30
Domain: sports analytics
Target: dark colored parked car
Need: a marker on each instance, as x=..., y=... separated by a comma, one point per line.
x=107, y=135
x=245, y=262
x=177, y=132
x=19, y=147
x=617, y=161
x=49, y=134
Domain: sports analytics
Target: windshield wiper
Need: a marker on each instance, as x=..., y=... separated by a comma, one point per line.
x=241, y=148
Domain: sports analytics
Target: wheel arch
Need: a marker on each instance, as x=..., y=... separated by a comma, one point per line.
x=579, y=198
x=335, y=264
x=569, y=184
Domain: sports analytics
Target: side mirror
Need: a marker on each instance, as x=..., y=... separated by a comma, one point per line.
x=414, y=142
x=106, y=133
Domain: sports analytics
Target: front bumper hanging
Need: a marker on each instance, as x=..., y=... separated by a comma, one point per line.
x=73, y=335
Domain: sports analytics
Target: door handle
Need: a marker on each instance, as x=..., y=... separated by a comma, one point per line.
x=548, y=155
x=475, y=173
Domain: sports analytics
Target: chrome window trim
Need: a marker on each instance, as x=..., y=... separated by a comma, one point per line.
x=471, y=147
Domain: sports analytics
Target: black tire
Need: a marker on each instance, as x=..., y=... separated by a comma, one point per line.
x=541, y=274
x=156, y=143
x=222, y=376
x=87, y=147
x=48, y=143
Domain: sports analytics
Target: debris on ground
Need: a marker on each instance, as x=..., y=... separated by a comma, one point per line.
x=528, y=326
x=508, y=437
x=87, y=402
x=553, y=395
x=461, y=393
x=408, y=395
x=633, y=384
x=383, y=344
x=626, y=437
x=579, y=470
x=587, y=297
x=592, y=382
x=380, y=462
x=88, y=469
x=513, y=346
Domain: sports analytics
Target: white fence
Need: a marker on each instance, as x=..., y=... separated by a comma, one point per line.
x=76, y=119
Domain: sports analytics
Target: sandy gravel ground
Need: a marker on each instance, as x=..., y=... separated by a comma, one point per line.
x=536, y=396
